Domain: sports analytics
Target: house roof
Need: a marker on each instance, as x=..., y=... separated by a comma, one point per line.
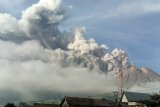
x=135, y=97
x=76, y=101
x=45, y=105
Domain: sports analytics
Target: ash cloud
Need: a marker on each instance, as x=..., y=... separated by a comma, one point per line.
x=146, y=88
x=37, y=59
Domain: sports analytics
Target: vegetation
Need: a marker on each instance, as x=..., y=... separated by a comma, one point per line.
x=156, y=97
x=154, y=101
x=10, y=105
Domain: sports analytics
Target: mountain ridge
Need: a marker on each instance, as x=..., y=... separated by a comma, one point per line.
x=137, y=76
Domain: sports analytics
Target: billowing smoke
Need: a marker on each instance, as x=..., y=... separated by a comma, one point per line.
x=146, y=88
x=39, y=61
x=39, y=24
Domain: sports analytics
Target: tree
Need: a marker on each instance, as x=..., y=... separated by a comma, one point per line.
x=10, y=105
x=155, y=98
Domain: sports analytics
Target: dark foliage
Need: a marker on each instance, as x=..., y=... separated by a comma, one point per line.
x=10, y=105
x=155, y=97
x=154, y=101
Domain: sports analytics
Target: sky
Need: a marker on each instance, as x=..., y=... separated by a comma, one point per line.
x=133, y=26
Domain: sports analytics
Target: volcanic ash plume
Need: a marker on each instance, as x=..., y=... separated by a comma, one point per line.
x=39, y=25
x=39, y=61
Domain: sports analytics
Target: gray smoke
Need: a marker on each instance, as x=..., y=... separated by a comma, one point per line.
x=39, y=61
x=40, y=23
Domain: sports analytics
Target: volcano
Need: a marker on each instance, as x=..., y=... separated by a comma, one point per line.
x=137, y=76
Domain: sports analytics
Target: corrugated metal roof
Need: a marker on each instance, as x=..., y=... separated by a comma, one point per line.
x=135, y=97
x=76, y=101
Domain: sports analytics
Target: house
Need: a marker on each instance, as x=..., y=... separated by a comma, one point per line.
x=85, y=102
x=23, y=104
x=134, y=99
x=45, y=105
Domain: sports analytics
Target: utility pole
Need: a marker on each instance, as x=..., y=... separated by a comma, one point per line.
x=121, y=63
x=120, y=89
x=115, y=93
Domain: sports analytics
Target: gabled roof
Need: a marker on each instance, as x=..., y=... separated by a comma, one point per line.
x=135, y=97
x=76, y=101
x=45, y=105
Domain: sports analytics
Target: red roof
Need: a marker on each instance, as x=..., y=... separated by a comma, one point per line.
x=76, y=101
x=45, y=105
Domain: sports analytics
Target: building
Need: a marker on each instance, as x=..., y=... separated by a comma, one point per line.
x=23, y=104
x=134, y=99
x=85, y=102
x=45, y=105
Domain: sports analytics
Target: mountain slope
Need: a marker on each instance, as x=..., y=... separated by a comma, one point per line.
x=135, y=76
